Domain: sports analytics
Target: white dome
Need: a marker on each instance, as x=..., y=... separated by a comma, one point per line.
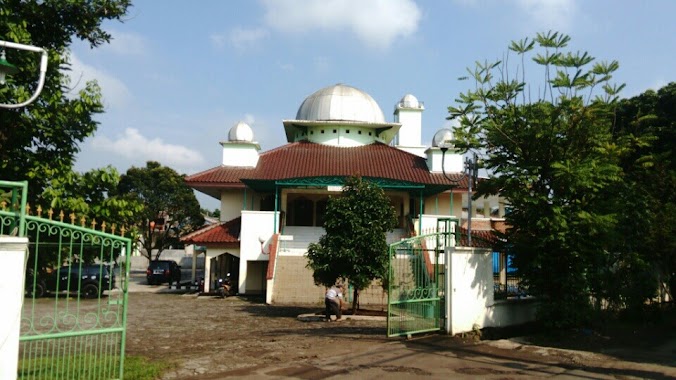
x=241, y=132
x=340, y=103
x=443, y=138
x=409, y=101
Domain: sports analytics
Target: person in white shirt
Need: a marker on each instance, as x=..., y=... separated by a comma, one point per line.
x=334, y=301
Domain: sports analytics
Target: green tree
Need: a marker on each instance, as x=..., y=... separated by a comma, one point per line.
x=167, y=202
x=552, y=158
x=354, y=247
x=39, y=142
x=93, y=195
x=646, y=239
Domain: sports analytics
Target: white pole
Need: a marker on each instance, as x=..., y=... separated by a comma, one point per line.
x=448, y=290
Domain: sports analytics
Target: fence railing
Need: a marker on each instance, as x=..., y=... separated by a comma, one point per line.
x=506, y=283
x=73, y=319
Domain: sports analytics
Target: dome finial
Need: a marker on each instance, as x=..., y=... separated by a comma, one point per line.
x=241, y=132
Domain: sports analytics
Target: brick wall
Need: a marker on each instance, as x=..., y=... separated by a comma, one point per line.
x=294, y=285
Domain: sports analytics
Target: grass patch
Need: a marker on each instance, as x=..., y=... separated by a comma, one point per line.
x=91, y=367
x=141, y=368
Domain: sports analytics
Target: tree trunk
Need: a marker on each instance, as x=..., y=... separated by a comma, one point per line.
x=355, y=301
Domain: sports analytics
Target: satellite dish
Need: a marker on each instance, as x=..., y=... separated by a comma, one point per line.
x=443, y=139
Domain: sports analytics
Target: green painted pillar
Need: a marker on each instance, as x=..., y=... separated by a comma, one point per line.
x=276, y=208
x=421, y=213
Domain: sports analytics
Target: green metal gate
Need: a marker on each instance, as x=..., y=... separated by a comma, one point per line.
x=416, y=281
x=73, y=322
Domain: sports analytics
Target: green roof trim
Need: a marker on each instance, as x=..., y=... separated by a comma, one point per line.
x=322, y=182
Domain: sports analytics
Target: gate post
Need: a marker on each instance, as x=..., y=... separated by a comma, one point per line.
x=12, y=262
x=448, y=289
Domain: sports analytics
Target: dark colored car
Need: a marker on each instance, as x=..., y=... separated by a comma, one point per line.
x=35, y=286
x=90, y=281
x=163, y=271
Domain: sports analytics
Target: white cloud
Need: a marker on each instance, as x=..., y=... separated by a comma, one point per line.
x=555, y=15
x=218, y=40
x=124, y=43
x=242, y=38
x=115, y=92
x=133, y=145
x=377, y=23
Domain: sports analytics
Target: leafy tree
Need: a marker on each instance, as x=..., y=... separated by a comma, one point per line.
x=553, y=158
x=167, y=203
x=216, y=213
x=39, y=142
x=354, y=247
x=93, y=195
x=646, y=237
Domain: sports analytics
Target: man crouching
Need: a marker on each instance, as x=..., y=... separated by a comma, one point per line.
x=334, y=302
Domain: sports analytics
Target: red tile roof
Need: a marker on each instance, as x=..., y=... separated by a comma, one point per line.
x=480, y=239
x=221, y=233
x=305, y=159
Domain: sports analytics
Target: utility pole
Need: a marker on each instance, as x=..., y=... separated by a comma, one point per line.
x=472, y=171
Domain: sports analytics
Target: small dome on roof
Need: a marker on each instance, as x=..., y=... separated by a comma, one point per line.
x=409, y=101
x=241, y=132
x=443, y=138
x=340, y=102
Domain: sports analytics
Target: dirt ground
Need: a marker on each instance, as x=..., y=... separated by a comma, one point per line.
x=212, y=338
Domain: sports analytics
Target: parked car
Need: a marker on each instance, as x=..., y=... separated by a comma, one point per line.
x=89, y=280
x=35, y=286
x=163, y=271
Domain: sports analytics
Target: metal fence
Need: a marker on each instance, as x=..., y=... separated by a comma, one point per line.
x=506, y=282
x=73, y=321
x=415, y=285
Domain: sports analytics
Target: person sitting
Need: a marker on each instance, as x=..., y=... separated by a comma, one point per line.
x=334, y=302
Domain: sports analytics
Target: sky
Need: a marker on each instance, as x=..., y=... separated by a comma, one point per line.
x=179, y=74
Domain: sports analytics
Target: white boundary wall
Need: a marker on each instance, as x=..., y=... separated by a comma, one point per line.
x=255, y=236
x=12, y=262
x=471, y=303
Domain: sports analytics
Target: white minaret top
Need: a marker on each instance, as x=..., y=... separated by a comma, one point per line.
x=240, y=149
x=408, y=112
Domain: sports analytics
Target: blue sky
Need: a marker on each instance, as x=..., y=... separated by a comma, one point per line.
x=179, y=74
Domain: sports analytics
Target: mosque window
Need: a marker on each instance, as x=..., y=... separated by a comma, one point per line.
x=359, y=132
x=335, y=131
x=322, y=131
x=347, y=131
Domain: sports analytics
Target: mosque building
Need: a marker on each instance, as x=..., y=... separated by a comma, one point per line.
x=273, y=202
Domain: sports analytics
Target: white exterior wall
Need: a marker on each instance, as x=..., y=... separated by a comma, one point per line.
x=411, y=126
x=212, y=252
x=12, y=262
x=471, y=289
x=453, y=162
x=240, y=154
x=357, y=136
x=231, y=205
x=256, y=226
